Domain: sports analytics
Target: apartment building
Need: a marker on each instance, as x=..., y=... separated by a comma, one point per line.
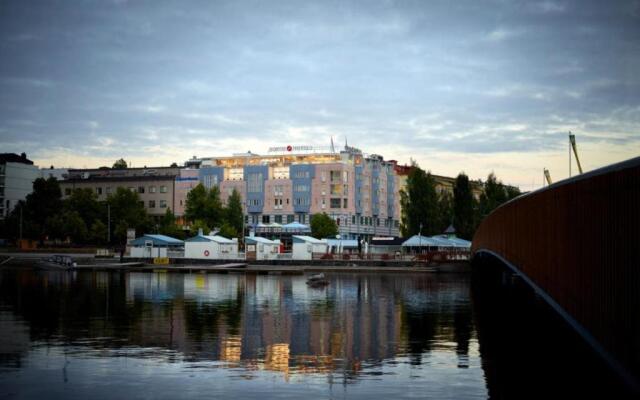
x=156, y=187
x=17, y=174
x=293, y=183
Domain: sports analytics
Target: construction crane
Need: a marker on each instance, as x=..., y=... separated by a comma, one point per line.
x=547, y=176
x=572, y=140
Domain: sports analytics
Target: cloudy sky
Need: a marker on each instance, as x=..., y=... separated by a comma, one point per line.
x=474, y=86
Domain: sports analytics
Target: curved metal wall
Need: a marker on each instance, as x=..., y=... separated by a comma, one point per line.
x=578, y=241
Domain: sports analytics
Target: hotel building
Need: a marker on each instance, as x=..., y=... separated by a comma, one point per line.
x=360, y=192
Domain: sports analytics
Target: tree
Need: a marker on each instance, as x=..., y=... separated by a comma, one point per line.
x=74, y=227
x=85, y=202
x=120, y=164
x=195, y=207
x=174, y=165
x=228, y=231
x=169, y=227
x=445, y=210
x=419, y=203
x=512, y=192
x=323, y=226
x=198, y=225
x=45, y=201
x=98, y=232
x=127, y=211
x=233, y=212
x=464, y=206
x=493, y=196
x=205, y=205
x=214, y=212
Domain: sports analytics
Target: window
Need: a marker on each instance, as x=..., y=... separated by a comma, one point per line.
x=98, y=191
x=254, y=202
x=338, y=221
x=163, y=189
x=152, y=204
x=278, y=190
x=323, y=176
x=108, y=189
x=281, y=173
x=344, y=205
x=334, y=203
x=278, y=219
x=163, y=204
x=152, y=189
x=353, y=220
x=254, y=184
x=265, y=219
x=336, y=190
x=67, y=192
x=210, y=180
x=301, y=188
x=301, y=201
x=335, y=176
x=131, y=189
x=289, y=219
x=236, y=174
x=345, y=176
x=140, y=189
x=302, y=174
x=141, y=203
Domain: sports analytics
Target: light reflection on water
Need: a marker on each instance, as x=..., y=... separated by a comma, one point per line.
x=106, y=334
x=174, y=335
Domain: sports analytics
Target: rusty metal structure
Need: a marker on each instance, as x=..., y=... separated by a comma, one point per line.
x=577, y=243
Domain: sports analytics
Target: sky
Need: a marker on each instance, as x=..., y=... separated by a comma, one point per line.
x=473, y=86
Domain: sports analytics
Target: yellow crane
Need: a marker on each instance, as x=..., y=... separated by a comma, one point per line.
x=572, y=140
x=547, y=176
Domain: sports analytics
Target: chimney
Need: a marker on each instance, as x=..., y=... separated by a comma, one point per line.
x=199, y=231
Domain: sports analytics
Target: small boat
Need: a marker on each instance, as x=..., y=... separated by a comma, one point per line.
x=317, y=280
x=57, y=261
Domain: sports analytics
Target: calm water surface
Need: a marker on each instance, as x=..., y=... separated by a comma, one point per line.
x=375, y=336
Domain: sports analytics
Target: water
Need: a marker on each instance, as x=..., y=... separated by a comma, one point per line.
x=376, y=336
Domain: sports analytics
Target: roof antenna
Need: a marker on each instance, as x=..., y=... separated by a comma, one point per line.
x=333, y=150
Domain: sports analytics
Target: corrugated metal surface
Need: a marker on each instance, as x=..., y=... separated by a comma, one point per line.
x=579, y=241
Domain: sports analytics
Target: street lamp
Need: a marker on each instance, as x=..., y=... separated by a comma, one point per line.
x=420, y=239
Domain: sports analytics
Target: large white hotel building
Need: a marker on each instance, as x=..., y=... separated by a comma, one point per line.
x=360, y=192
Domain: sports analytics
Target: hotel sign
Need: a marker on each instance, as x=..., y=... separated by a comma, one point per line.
x=282, y=149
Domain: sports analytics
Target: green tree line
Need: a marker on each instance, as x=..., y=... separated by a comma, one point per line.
x=204, y=210
x=429, y=212
x=82, y=218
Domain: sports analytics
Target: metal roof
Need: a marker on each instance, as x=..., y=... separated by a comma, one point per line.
x=307, y=239
x=208, y=238
x=158, y=240
x=260, y=239
x=417, y=241
x=296, y=226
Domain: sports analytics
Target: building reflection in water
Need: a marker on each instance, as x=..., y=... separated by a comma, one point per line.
x=254, y=322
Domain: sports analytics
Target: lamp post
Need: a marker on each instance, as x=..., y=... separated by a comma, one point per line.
x=108, y=223
x=420, y=238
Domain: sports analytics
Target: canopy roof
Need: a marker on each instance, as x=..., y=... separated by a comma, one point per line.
x=158, y=241
x=296, y=226
x=260, y=239
x=209, y=238
x=435, y=241
x=307, y=239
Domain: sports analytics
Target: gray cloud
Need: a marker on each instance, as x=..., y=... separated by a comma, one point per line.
x=121, y=78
